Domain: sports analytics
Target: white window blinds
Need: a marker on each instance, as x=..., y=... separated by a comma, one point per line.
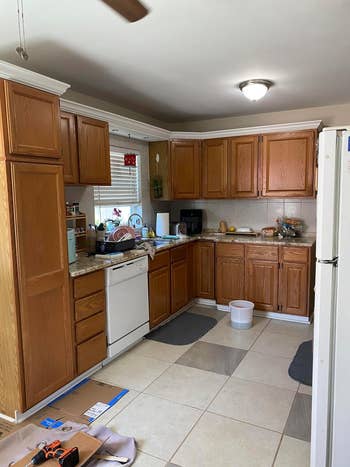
x=125, y=188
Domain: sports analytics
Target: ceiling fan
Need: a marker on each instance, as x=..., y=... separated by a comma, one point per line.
x=132, y=10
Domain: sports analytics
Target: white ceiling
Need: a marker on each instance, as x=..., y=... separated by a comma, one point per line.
x=185, y=59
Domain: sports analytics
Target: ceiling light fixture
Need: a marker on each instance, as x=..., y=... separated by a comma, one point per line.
x=255, y=89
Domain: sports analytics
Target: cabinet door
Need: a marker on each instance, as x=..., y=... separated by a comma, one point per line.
x=179, y=285
x=94, y=156
x=288, y=161
x=33, y=121
x=159, y=295
x=42, y=263
x=185, y=169
x=244, y=154
x=214, y=168
x=261, y=282
x=229, y=279
x=294, y=288
x=204, y=269
x=69, y=148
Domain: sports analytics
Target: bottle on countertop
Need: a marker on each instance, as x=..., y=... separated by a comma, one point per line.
x=144, y=231
x=91, y=238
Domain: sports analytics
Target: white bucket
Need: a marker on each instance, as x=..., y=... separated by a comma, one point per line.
x=241, y=314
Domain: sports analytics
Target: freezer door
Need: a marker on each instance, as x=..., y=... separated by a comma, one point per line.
x=324, y=324
x=341, y=388
x=327, y=194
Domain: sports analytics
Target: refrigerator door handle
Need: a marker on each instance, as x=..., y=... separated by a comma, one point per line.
x=333, y=261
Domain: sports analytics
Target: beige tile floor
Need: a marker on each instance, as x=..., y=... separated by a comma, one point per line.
x=226, y=400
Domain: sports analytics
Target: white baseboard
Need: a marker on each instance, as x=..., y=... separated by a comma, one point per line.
x=205, y=301
x=21, y=416
x=273, y=315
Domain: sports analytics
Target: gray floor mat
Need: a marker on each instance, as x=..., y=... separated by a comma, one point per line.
x=183, y=330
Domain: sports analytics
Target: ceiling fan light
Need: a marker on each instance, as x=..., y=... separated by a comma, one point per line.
x=255, y=89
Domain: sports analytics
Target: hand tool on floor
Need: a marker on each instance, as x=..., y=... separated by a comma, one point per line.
x=65, y=457
x=107, y=457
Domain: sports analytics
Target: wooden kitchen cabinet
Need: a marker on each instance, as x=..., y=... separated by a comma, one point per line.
x=215, y=168
x=261, y=276
x=185, y=169
x=89, y=303
x=160, y=170
x=294, y=281
x=229, y=273
x=179, y=278
x=31, y=122
x=204, y=273
x=288, y=164
x=69, y=147
x=159, y=288
x=43, y=289
x=244, y=166
x=94, y=152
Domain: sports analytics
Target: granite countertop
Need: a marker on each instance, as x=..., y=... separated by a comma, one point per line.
x=85, y=264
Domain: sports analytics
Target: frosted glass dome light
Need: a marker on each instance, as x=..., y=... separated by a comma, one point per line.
x=255, y=89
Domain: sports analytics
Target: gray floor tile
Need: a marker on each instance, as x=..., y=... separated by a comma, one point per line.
x=208, y=311
x=299, y=421
x=212, y=357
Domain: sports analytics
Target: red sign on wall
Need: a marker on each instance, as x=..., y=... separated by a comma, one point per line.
x=130, y=160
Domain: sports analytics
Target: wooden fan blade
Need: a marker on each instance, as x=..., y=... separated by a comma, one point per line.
x=132, y=10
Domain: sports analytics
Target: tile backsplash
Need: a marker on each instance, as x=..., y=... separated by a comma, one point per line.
x=249, y=213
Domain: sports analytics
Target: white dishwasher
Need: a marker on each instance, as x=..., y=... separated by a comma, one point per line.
x=127, y=304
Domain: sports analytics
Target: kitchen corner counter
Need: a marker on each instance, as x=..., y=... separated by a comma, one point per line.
x=85, y=264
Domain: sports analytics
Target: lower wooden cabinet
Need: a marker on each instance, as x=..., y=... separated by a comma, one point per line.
x=204, y=269
x=261, y=284
x=89, y=304
x=179, y=278
x=229, y=275
x=159, y=295
x=295, y=281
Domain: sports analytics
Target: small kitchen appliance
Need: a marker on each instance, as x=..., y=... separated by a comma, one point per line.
x=193, y=218
x=162, y=224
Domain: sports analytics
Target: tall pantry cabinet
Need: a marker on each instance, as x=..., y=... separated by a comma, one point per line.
x=36, y=355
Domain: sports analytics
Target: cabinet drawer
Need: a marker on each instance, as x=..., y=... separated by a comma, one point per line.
x=90, y=327
x=262, y=252
x=295, y=255
x=88, y=306
x=161, y=260
x=91, y=352
x=178, y=253
x=230, y=250
x=89, y=284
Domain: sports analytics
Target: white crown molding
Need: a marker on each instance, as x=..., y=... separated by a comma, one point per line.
x=254, y=130
x=125, y=126
x=118, y=124
x=31, y=78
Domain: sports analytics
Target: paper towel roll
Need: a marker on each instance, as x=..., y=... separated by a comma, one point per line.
x=162, y=224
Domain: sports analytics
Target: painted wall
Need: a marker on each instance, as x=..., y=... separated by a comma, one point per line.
x=331, y=115
x=248, y=213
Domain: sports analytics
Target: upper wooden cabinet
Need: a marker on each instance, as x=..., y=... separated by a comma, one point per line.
x=33, y=121
x=185, y=169
x=94, y=155
x=244, y=164
x=85, y=150
x=288, y=164
x=69, y=148
x=159, y=170
x=215, y=168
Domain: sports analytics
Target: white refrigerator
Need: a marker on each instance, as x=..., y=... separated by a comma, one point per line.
x=330, y=434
